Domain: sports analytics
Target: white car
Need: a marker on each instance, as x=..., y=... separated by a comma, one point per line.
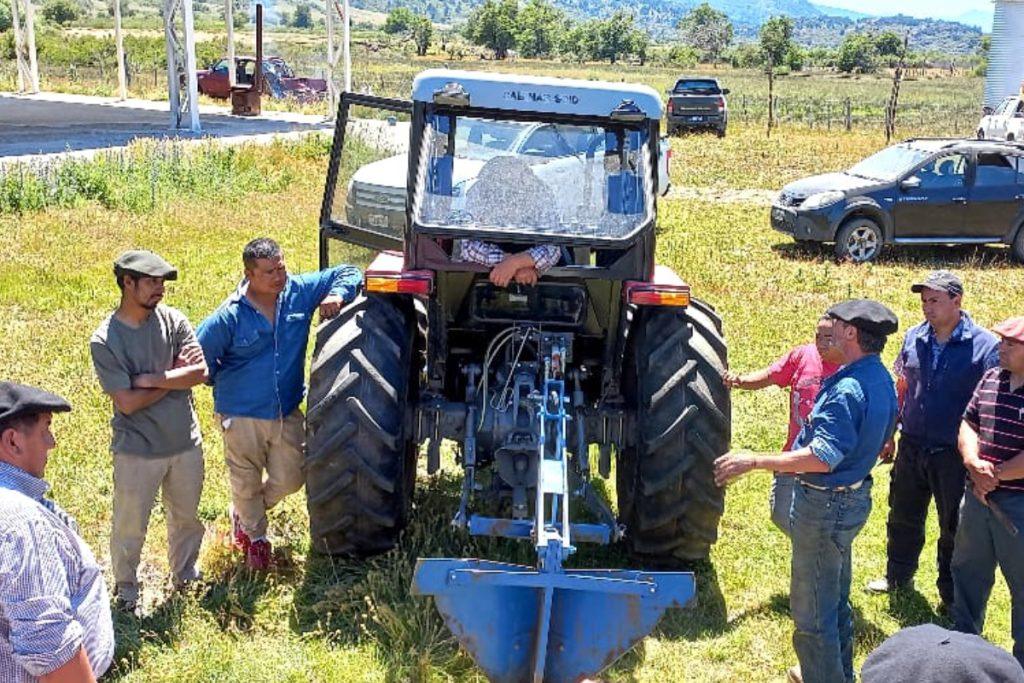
x=1006, y=122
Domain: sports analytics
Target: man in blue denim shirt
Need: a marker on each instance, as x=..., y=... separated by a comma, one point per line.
x=255, y=348
x=853, y=416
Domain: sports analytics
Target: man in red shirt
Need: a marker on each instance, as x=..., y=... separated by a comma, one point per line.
x=801, y=370
x=992, y=512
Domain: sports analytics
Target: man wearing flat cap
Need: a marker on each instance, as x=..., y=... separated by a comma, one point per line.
x=853, y=416
x=931, y=654
x=55, y=620
x=147, y=360
x=936, y=370
x=992, y=514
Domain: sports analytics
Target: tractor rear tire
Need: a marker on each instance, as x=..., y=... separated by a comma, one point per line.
x=667, y=495
x=360, y=454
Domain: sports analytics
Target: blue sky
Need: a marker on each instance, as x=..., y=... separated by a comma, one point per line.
x=939, y=9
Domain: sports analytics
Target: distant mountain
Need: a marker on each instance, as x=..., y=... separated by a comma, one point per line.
x=979, y=18
x=926, y=35
x=840, y=12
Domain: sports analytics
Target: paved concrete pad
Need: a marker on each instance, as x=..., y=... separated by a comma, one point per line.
x=58, y=124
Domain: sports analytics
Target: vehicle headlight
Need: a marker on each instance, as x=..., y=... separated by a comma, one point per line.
x=822, y=199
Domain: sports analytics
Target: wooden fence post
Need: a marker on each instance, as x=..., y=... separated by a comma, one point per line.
x=849, y=114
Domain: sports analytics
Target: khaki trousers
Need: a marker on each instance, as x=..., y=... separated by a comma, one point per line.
x=136, y=481
x=254, y=447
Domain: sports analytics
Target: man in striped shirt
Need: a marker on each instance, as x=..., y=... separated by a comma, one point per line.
x=992, y=512
x=55, y=622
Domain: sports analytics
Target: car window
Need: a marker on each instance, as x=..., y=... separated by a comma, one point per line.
x=697, y=86
x=995, y=170
x=547, y=141
x=889, y=163
x=943, y=172
x=221, y=67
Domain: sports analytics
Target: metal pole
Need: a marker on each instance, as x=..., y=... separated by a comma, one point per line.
x=122, y=77
x=190, y=66
x=173, y=86
x=347, y=47
x=229, y=17
x=30, y=35
x=19, y=48
x=332, y=90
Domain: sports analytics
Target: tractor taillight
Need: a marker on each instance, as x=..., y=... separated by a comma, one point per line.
x=650, y=294
x=406, y=282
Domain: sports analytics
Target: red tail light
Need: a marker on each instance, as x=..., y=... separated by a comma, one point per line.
x=670, y=106
x=656, y=294
x=721, y=104
x=407, y=282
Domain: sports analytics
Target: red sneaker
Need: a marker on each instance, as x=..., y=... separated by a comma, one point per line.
x=239, y=538
x=258, y=555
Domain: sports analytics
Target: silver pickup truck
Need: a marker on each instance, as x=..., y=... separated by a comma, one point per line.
x=376, y=193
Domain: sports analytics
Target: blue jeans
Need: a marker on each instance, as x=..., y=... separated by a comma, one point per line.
x=982, y=542
x=781, y=500
x=823, y=525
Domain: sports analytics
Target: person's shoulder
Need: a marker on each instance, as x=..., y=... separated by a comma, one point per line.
x=102, y=331
x=18, y=513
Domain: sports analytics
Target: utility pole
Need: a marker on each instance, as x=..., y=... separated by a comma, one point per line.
x=21, y=64
x=229, y=18
x=30, y=36
x=335, y=11
x=122, y=77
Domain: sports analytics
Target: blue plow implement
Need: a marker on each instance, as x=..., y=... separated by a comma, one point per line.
x=523, y=625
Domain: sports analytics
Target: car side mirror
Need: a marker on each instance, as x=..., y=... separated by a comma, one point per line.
x=987, y=111
x=725, y=91
x=911, y=183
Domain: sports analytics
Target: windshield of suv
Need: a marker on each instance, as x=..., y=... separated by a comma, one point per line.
x=890, y=163
x=697, y=86
x=535, y=177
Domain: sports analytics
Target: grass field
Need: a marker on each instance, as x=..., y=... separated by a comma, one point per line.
x=317, y=620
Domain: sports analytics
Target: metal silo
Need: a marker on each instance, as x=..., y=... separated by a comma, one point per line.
x=1006, y=56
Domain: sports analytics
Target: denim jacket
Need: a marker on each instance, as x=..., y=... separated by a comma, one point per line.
x=853, y=416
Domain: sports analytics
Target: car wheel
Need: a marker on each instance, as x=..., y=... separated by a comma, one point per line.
x=981, y=133
x=1017, y=248
x=1010, y=137
x=859, y=240
x=721, y=132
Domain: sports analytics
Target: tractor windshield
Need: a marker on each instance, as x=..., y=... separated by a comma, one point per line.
x=533, y=177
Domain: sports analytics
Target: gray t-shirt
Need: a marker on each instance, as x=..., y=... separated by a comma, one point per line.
x=119, y=352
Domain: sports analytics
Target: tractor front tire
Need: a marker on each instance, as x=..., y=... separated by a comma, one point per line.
x=667, y=495
x=360, y=456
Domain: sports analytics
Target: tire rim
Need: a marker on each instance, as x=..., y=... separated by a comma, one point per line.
x=862, y=244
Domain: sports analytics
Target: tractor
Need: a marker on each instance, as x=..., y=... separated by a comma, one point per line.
x=604, y=364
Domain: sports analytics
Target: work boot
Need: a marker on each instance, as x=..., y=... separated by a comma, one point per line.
x=794, y=675
x=239, y=538
x=881, y=586
x=258, y=555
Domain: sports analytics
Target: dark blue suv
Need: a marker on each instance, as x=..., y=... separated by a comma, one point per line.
x=920, y=191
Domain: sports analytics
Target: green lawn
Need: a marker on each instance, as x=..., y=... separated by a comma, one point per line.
x=314, y=619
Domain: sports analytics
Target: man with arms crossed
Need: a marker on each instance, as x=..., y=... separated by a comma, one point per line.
x=147, y=359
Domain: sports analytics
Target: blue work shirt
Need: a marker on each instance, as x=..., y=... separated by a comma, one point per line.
x=257, y=369
x=941, y=378
x=53, y=599
x=853, y=416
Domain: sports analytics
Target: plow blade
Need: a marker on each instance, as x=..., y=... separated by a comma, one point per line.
x=521, y=625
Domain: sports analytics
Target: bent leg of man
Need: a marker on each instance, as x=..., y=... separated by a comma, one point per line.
x=285, y=459
x=182, y=489
x=246, y=442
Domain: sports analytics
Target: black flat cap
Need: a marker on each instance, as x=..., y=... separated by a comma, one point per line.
x=865, y=314
x=144, y=263
x=931, y=654
x=18, y=399
x=940, y=281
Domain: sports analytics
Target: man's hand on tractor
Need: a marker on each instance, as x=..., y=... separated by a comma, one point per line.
x=504, y=272
x=331, y=306
x=527, y=276
x=733, y=465
x=888, y=452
